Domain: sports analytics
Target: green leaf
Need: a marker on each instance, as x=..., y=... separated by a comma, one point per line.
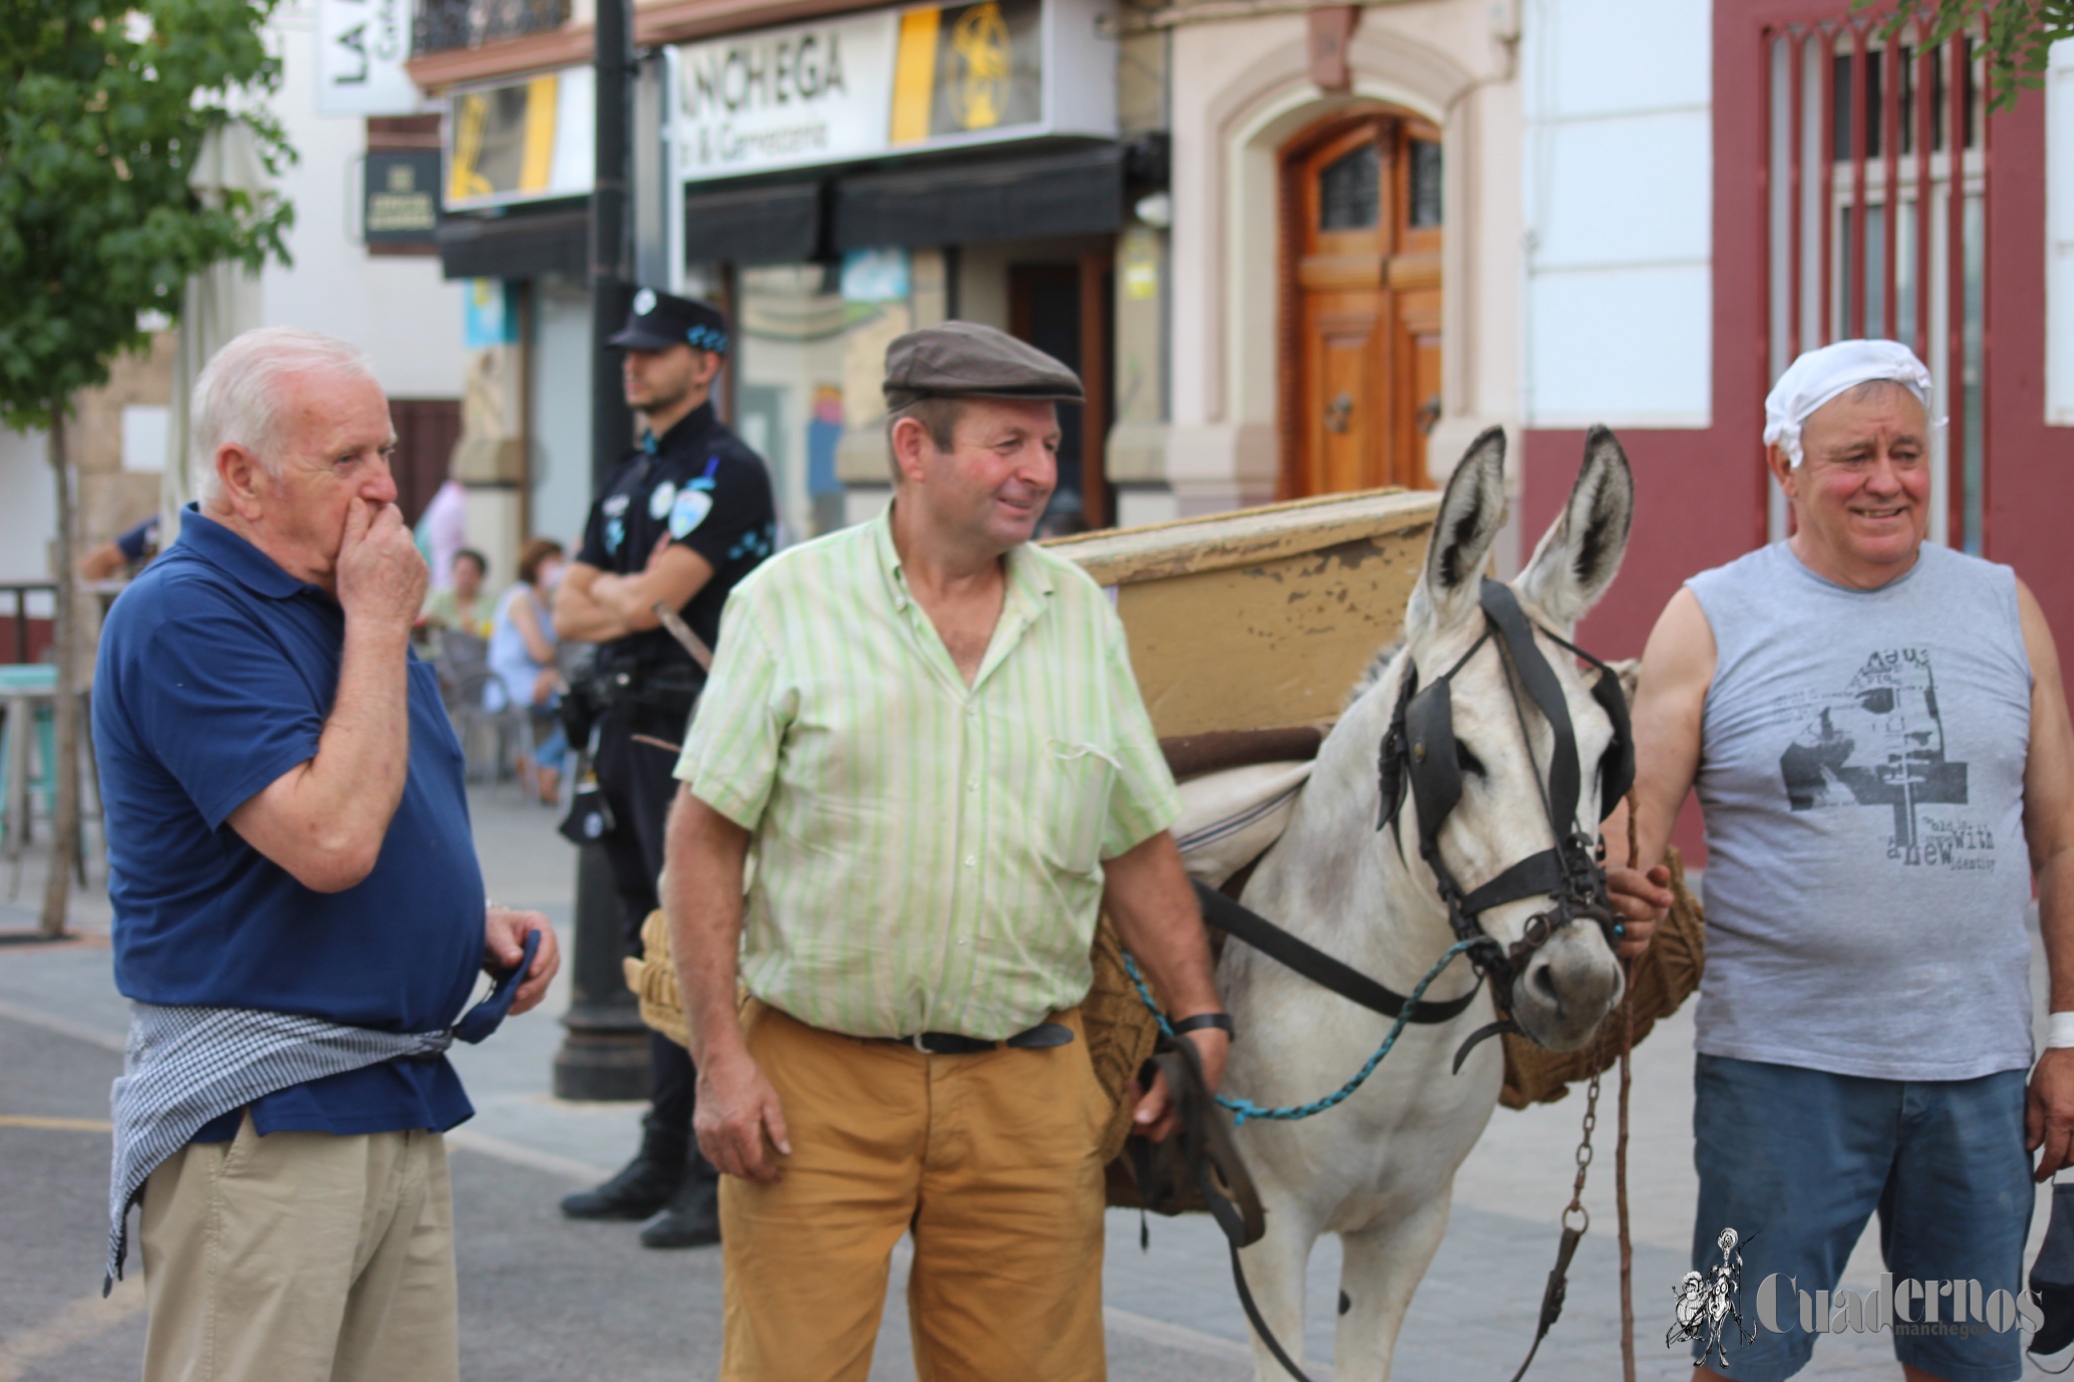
x=99, y=132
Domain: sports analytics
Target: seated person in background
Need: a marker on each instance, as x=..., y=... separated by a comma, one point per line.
x=461, y=604
x=125, y=555
x=522, y=654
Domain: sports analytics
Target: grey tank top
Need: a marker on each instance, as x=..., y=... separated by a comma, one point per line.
x=1861, y=771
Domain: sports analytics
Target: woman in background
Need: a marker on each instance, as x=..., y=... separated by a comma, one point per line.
x=460, y=605
x=522, y=655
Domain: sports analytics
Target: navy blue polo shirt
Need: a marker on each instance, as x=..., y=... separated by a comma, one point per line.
x=216, y=673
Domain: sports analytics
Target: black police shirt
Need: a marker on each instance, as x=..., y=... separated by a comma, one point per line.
x=703, y=487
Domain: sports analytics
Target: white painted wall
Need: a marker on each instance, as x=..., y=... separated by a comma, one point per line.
x=1617, y=186
x=2059, y=236
x=560, y=393
x=27, y=502
x=397, y=309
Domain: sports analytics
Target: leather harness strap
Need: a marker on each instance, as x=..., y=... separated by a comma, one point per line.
x=1247, y=925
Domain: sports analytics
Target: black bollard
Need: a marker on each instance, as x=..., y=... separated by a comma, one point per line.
x=605, y=1054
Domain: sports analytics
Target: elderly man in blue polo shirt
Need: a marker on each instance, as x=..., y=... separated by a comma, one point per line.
x=299, y=916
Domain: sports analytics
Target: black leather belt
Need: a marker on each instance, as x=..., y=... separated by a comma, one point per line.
x=1044, y=1034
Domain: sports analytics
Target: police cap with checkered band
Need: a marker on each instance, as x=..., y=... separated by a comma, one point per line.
x=657, y=321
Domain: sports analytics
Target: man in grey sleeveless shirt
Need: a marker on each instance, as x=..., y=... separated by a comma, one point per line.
x=1878, y=733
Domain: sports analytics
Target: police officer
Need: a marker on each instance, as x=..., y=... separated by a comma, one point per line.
x=686, y=516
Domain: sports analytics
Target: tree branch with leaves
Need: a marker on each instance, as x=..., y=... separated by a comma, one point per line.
x=108, y=106
x=2017, y=35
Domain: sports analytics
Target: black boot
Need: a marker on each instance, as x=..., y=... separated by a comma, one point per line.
x=692, y=1218
x=646, y=1184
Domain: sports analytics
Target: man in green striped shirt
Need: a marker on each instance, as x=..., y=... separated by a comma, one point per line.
x=925, y=733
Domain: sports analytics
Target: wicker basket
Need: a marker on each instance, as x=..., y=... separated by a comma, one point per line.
x=653, y=978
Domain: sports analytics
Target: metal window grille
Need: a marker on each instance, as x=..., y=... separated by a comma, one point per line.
x=1876, y=180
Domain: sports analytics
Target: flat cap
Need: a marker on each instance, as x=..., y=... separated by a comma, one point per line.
x=657, y=321
x=966, y=360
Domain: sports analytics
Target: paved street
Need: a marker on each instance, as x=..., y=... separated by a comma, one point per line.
x=544, y=1299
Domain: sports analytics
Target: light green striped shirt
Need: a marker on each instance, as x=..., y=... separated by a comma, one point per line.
x=927, y=855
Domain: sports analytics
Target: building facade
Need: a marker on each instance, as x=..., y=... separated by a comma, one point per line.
x=1292, y=250
x=397, y=308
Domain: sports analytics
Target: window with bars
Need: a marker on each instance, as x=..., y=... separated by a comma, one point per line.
x=1878, y=222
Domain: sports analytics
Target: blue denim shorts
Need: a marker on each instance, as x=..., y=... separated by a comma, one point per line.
x=1796, y=1161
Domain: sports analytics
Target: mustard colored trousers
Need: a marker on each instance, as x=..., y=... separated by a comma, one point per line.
x=988, y=1159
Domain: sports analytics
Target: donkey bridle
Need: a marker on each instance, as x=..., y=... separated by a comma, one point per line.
x=1418, y=754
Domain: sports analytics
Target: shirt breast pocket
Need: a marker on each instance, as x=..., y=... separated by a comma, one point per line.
x=1078, y=778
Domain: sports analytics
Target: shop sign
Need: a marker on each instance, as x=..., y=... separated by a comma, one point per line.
x=401, y=192
x=361, y=47
x=520, y=141
x=783, y=98
x=887, y=82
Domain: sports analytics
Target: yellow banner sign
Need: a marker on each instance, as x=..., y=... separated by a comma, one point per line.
x=520, y=141
x=965, y=69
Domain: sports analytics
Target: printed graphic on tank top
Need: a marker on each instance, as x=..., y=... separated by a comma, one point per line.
x=1878, y=743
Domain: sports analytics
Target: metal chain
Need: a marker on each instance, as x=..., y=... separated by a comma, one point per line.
x=1584, y=1159
x=1591, y=1093
x=1558, y=1277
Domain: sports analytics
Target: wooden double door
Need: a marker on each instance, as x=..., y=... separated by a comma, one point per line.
x=1360, y=247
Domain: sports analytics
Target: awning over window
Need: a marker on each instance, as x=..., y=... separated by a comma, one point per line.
x=974, y=201
x=768, y=224
x=966, y=202
x=519, y=244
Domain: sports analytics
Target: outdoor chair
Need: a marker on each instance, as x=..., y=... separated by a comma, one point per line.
x=480, y=710
x=28, y=762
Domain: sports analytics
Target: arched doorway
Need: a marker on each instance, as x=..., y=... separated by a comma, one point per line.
x=1360, y=302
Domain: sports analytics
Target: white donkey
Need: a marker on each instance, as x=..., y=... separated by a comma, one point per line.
x=1379, y=1169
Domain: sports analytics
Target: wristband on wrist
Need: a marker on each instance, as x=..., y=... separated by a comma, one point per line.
x=1222, y=1021
x=2059, y=1031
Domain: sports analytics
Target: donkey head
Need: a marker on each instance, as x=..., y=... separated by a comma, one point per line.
x=1502, y=742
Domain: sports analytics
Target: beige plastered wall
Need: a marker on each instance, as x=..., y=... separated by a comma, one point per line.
x=109, y=498
x=1240, y=90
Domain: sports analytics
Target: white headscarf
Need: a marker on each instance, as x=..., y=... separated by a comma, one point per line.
x=1820, y=375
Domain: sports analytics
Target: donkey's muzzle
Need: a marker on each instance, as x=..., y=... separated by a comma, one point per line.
x=1543, y=926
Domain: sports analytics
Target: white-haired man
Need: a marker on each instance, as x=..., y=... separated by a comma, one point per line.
x=1878, y=733
x=299, y=917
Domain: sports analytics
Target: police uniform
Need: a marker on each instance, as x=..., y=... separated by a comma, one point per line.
x=699, y=486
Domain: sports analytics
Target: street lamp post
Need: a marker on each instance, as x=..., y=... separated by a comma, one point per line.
x=605, y=1054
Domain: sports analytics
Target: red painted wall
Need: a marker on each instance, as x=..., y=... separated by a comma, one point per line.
x=1700, y=493
x=1694, y=508
x=41, y=636
x=2030, y=466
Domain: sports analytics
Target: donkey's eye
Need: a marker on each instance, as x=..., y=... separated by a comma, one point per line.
x=1467, y=761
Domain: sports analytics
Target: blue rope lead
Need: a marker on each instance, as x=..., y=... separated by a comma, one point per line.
x=1243, y=1110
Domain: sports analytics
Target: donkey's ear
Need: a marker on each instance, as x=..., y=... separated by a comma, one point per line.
x=1579, y=555
x=1471, y=512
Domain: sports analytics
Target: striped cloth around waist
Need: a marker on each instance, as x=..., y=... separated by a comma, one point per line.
x=187, y=1066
